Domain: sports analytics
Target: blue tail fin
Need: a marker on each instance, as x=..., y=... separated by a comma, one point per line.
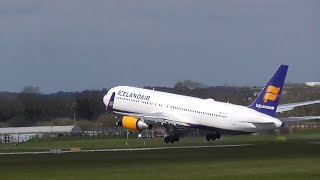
x=110, y=104
x=268, y=100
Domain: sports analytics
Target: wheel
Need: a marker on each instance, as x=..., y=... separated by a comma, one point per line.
x=166, y=139
x=213, y=136
x=171, y=139
x=118, y=123
x=208, y=137
x=218, y=135
x=176, y=137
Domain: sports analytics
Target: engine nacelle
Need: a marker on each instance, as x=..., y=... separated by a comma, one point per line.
x=133, y=123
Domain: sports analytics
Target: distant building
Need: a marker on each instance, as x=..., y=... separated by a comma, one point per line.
x=292, y=127
x=23, y=134
x=105, y=131
x=313, y=83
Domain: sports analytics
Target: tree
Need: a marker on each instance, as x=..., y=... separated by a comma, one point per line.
x=32, y=107
x=31, y=90
x=106, y=120
x=82, y=108
x=189, y=85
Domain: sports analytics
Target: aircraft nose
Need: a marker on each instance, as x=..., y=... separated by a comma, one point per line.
x=105, y=100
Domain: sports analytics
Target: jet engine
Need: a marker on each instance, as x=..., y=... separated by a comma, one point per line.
x=133, y=123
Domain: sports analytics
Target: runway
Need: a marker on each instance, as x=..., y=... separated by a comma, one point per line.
x=132, y=149
x=314, y=142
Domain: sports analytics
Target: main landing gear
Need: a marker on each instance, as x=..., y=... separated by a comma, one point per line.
x=171, y=138
x=213, y=136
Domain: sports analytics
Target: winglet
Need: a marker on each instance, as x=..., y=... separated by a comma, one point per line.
x=268, y=99
x=111, y=102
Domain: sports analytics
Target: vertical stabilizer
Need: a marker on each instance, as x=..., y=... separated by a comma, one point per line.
x=268, y=99
x=111, y=102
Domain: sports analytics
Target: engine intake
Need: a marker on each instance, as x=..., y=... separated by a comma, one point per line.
x=133, y=123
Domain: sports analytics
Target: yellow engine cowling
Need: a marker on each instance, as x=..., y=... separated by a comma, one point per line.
x=133, y=123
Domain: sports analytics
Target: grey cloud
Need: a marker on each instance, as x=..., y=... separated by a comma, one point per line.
x=76, y=45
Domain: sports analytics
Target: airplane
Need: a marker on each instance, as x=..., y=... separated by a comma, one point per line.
x=141, y=109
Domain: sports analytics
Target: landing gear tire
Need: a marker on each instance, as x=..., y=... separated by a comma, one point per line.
x=171, y=138
x=213, y=136
x=176, y=137
x=118, y=123
x=218, y=135
x=166, y=139
x=208, y=137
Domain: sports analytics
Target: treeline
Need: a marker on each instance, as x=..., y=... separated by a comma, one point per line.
x=30, y=107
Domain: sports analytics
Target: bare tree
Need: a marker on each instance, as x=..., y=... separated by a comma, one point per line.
x=31, y=90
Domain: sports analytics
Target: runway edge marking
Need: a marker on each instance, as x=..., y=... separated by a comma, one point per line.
x=132, y=149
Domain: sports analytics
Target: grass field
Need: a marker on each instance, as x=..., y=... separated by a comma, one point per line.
x=295, y=158
x=116, y=142
x=106, y=142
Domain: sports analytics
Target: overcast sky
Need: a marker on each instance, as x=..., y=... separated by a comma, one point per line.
x=72, y=45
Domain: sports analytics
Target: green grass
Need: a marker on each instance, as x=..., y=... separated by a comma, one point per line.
x=121, y=142
x=272, y=157
x=107, y=142
x=277, y=160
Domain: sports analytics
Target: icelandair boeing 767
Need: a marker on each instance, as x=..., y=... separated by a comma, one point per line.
x=140, y=109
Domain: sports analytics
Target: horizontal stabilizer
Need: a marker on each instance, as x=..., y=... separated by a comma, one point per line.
x=288, y=107
x=304, y=118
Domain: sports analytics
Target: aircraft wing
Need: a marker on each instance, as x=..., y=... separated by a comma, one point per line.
x=288, y=107
x=257, y=122
x=304, y=118
x=158, y=117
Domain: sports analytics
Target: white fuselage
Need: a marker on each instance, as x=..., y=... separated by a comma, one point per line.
x=198, y=113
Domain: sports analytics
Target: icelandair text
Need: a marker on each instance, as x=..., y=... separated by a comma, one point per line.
x=260, y=106
x=133, y=95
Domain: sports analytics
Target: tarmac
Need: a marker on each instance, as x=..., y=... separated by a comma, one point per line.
x=129, y=149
